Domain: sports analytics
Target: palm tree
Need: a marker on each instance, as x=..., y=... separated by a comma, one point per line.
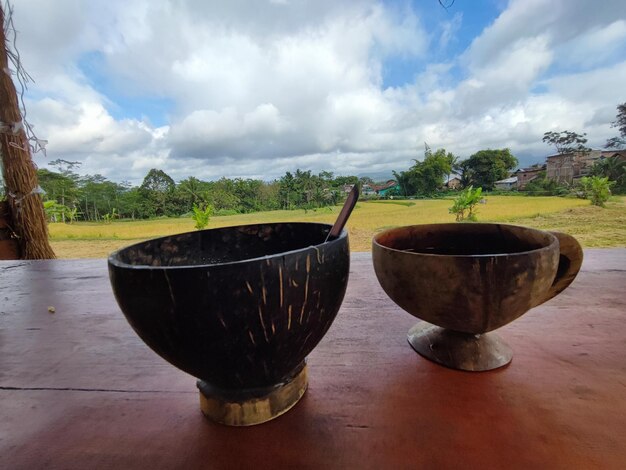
x=192, y=189
x=613, y=168
x=404, y=181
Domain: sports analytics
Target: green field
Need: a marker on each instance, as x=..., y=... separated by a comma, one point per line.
x=592, y=226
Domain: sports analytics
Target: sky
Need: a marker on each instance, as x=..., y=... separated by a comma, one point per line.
x=253, y=89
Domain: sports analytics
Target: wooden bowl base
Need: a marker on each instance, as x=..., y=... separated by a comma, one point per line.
x=457, y=350
x=250, y=407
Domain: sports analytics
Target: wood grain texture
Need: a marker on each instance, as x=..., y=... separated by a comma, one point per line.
x=78, y=388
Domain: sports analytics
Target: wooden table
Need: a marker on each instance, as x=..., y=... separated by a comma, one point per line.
x=78, y=388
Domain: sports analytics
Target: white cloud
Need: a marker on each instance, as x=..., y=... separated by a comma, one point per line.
x=210, y=134
x=257, y=91
x=449, y=29
x=594, y=47
x=560, y=20
x=506, y=79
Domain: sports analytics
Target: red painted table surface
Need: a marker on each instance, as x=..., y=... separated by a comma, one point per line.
x=78, y=388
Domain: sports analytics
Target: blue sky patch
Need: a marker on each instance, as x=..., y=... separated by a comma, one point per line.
x=120, y=103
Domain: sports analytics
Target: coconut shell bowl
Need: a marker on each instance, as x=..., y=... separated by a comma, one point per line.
x=466, y=280
x=240, y=308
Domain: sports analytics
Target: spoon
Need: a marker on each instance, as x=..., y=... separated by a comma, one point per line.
x=343, y=216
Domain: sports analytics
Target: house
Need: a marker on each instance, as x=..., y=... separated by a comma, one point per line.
x=384, y=188
x=367, y=190
x=452, y=181
x=569, y=167
x=507, y=184
x=526, y=175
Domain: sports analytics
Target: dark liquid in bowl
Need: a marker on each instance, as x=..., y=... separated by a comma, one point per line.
x=458, y=251
x=488, y=242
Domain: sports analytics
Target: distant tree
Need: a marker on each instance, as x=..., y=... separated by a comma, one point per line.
x=425, y=177
x=486, y=167
x=61, y=187
x=192, y=191
x=567, y=142
x=306, y=190
x=404, y=182
x=133, y=204
x=269, y=196
x=99, y=196
x=340, y=181
x=620, y=123
x=454, y=162
x=65, y=167
x=288, y=194
x=326, y=177
x=158, y=188
x=157, y=180
x=465, y=173
x=614, y=169
x=247, y=192
x=305, y=185
x=221, y=195
x=431, y=172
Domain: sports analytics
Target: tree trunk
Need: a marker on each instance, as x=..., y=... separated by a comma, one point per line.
x=8, y=244
x=20, y=175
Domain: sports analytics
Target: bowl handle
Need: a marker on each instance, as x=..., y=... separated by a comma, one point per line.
x=570, y=260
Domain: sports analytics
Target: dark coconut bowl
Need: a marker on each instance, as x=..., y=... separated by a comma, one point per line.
x=240, y=308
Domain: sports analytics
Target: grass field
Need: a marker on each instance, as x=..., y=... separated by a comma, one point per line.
x=592, y=226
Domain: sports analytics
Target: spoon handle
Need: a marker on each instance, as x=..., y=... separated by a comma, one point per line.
x=343, y=216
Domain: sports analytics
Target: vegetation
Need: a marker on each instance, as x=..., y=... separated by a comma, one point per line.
x=94, y=198
x=543, y=186
x=614, y=169
x=596, y=189
x=486, y=167
x=466, y=202
x=201, y=216
x=566, y=142
x=425, y=178
x=72, y=197
x=620, y=123
x=594, y=225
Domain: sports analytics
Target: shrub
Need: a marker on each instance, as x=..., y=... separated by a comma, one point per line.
x=543, y=186
x=596, y=189
x=466, y=202
x=202, y=216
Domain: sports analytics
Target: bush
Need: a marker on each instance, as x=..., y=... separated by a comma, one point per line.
x=466, y=202
x=202, y=216
x=542, y=186
x=596, y=189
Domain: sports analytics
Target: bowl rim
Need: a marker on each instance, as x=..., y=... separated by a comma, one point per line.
x=549, y=246
x=113, y=258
